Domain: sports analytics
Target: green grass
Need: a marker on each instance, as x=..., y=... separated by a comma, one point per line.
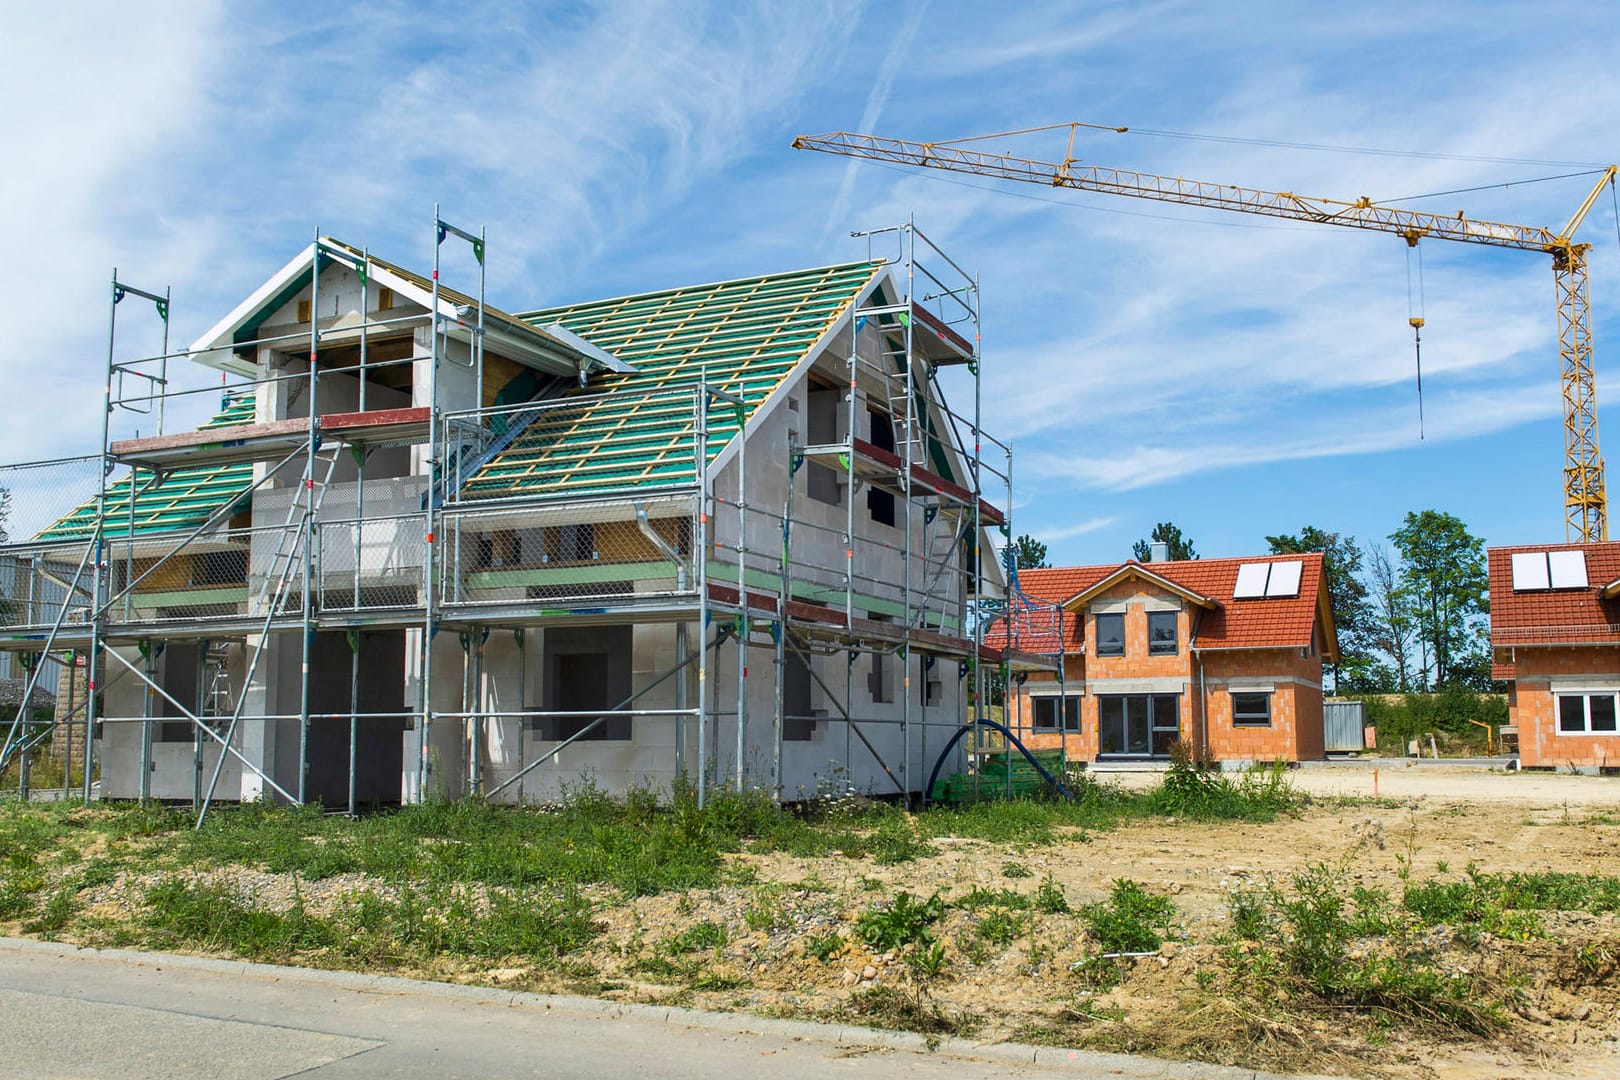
x=413, y=925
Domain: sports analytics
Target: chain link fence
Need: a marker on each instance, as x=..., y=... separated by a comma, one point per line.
x=572, y=552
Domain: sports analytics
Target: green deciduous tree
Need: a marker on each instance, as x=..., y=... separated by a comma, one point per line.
x=1168, y=534
x=1029, y=553
x=1443, y=576
x=1352, y=614
x=1391, y=628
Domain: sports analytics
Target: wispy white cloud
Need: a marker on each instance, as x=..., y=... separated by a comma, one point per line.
x=1140, y=465
x=898, y=51
x=1057, y=533
x=97, y=98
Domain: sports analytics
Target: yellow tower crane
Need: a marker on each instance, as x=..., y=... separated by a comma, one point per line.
x=1586, y=516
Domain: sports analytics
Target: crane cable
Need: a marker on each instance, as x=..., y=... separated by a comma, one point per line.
x=1414, y=319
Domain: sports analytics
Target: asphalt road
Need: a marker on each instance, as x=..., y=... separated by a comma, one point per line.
x=88, y=1014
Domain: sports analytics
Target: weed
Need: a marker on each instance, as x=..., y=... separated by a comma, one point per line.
x=698, y=936
x=973, y=948
x=902, y=922
x=1012, y=869
x=825, y=946
x=1001, y=927
x=977, y=898
x=894, y=1008
x=1374, y=916
x=1049, y=898
x=1190, y=789
x=56, y=913
x=765, y=911
x=713, y=979
x=1130, y=920
x=1305, y=938
x=927, y=961
x=1504, y=904
x=1250, y=907
x=1318, y=932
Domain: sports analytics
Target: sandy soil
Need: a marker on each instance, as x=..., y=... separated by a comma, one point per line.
x=1528, y=823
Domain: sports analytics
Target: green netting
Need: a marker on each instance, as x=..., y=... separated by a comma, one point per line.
x=183, y=499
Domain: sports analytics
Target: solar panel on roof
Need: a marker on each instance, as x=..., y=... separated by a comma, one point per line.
x=1530, y=571
x=1566, y=569
x=1251, y=581
x=1284, y=580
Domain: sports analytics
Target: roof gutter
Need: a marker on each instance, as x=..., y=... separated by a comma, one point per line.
x=1203, y=698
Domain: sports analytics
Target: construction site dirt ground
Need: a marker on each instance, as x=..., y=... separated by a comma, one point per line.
x=1014, y=954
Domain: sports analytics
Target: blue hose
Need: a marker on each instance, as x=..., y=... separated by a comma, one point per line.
x=1011, y=739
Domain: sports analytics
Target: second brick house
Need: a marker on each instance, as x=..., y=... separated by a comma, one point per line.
x=1223, y=654
x=1555, y=637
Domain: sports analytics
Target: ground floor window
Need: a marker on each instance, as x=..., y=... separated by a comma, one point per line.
x=1251, y=708
x=1137, y=725
x=1586, y=714
x=1047, y=707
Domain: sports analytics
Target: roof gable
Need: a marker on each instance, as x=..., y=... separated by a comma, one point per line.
x=1135, y=571
x=505, y=334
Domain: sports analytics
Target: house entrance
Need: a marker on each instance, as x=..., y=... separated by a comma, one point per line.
x=1137, y=725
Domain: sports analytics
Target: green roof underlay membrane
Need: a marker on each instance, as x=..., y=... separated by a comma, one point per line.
x=183, y=500
x=745, y=337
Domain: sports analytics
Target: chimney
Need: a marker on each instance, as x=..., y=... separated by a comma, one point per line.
x=1159, y=551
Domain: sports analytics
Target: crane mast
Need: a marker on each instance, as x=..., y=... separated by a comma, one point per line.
x=1585, y=497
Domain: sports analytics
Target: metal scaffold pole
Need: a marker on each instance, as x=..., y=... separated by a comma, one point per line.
x=307, y=524
x=743, y=632
x=700, y=545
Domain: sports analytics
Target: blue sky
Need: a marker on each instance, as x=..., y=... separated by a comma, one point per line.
x=1238, y=376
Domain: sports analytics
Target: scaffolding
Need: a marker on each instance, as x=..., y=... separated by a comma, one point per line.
x=374, y=491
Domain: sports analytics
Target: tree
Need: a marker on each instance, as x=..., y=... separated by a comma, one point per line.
x=1443, y=572
x=1164, y=533
x=1341, y=565
x=1392, y=622
x=1029, y=553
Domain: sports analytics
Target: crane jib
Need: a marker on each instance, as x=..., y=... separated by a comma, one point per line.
x=1585, y=496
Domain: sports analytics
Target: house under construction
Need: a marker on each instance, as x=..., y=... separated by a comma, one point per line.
x=726, y=534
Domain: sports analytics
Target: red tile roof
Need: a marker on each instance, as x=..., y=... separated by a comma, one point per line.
x=1556, y=616
x=1270, y=622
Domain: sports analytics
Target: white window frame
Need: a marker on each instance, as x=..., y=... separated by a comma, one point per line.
x=1586, y=697
x=1070, y=702
x=1250, y=723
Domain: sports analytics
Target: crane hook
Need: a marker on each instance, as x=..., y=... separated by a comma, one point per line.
x=1414, y=319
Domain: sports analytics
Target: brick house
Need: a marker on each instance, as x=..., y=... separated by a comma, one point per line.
x=1225, y=654
x=1555, y=640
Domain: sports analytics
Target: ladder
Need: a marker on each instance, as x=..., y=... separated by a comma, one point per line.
x=217, y=702
x=306, y=502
